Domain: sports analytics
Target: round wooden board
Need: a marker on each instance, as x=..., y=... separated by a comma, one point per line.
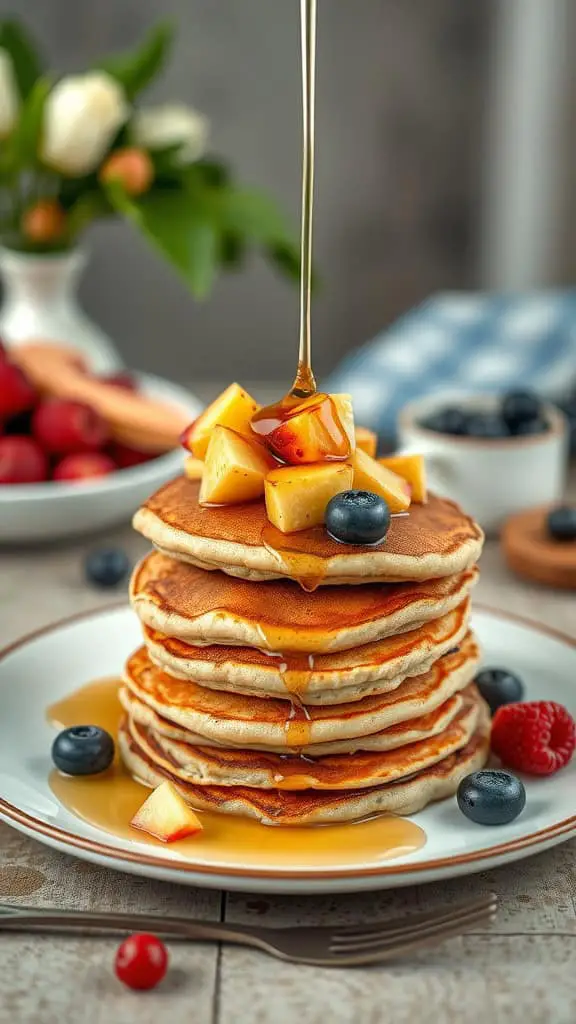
x=532, y=553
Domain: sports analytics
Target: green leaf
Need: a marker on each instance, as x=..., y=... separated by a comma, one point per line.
x=180, y=225
x=136, y=70
x=26, y=139
x=232, y=251
x=26, y=59
x=252, y=215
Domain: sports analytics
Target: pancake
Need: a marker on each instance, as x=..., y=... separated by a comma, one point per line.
x=435, y=539
x=201, y=608
x=413, y=731
x=230, y=720
x=321, y=679
x=207, y=766
x=309, y=807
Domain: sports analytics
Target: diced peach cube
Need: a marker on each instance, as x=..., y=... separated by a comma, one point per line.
x=297, y=496
x=370, y=475
x=234, y=408
x=318, y=429
x=345, y=412
x=367, y=440
x=234, y=469
x=193, y=468
x=413, y=469
x=166, y=815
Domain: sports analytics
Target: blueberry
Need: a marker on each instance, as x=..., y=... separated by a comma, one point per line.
x=561, y=522
x=83, y=750
x=357, y=517
x=107, y=567
x=499, y=686
x=526, y=427
x=486, y=425
x=491, y=797
x=519, y=407
x=450, y=420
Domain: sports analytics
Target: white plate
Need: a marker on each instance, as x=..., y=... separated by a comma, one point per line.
x=50, y=511
x=52, y=663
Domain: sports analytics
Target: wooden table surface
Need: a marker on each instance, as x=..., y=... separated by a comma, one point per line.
x=522, y=970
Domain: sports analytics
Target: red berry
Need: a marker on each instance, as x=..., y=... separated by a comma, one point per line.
x=141, y=961
x=120, y=380
x=16, y=394
x=22, y=461
x=124, y=456
x=537, y=736
x=63, y=427
x=83, y=466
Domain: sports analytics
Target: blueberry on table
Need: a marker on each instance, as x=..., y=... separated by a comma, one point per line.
x=491, y=797
x=499, y=686
x=357, y=517
x=450, y=420
x=561, y=523
x=520, y=407
x=107, y=567
x=83, y=750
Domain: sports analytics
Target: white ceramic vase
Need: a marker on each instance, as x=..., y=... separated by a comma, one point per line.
x=40, y=303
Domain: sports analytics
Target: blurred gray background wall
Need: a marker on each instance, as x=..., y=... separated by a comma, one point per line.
x=400, y=103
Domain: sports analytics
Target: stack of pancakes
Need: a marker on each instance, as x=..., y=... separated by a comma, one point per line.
x=255, y=696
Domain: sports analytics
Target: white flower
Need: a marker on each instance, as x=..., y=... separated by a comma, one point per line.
x=81, y=117
x=158, y=127
x=9, y=99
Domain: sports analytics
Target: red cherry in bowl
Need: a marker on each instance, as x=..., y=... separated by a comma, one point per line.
x=22, y=461
x=63, y=427
x=83, y=466
x=16, y=394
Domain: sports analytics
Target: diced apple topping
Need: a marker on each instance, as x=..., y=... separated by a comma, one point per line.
x=370, y=475
x=234, y=469
x=234, y=408
x=193, y=468
x=413, y=469
x=166, y=815
x=367, y=440
x=318, y=429
x=297, y=496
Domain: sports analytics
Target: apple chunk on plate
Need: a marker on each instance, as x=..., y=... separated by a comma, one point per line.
x=297, y=496
x=234, y=469
x=234, y=408
x=370, y=475
x=166, y=815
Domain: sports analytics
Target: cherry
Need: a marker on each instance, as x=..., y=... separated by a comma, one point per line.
x=141, y=961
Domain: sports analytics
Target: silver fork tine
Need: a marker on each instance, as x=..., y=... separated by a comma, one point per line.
x=412, y=919
x=432, y=931
x=397, y=950
x=399, y=931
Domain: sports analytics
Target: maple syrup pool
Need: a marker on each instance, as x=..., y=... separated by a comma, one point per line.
x=109, y=801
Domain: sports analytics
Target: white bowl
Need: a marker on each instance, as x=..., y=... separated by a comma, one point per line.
x=30, y=513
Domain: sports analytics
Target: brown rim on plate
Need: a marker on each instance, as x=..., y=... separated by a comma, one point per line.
x=407, y=419
x=112, y=853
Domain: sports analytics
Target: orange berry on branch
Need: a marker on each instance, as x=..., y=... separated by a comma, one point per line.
x=44, y=221
x=130, y=166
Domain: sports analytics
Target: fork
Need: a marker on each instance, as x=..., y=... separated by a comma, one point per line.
x=324, y=946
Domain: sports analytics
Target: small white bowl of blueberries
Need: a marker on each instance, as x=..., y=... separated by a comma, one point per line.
x=495, y=455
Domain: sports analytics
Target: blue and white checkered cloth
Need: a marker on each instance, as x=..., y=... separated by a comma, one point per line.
x=462, y=342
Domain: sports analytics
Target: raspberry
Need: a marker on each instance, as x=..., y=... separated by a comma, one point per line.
x=537, y=737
